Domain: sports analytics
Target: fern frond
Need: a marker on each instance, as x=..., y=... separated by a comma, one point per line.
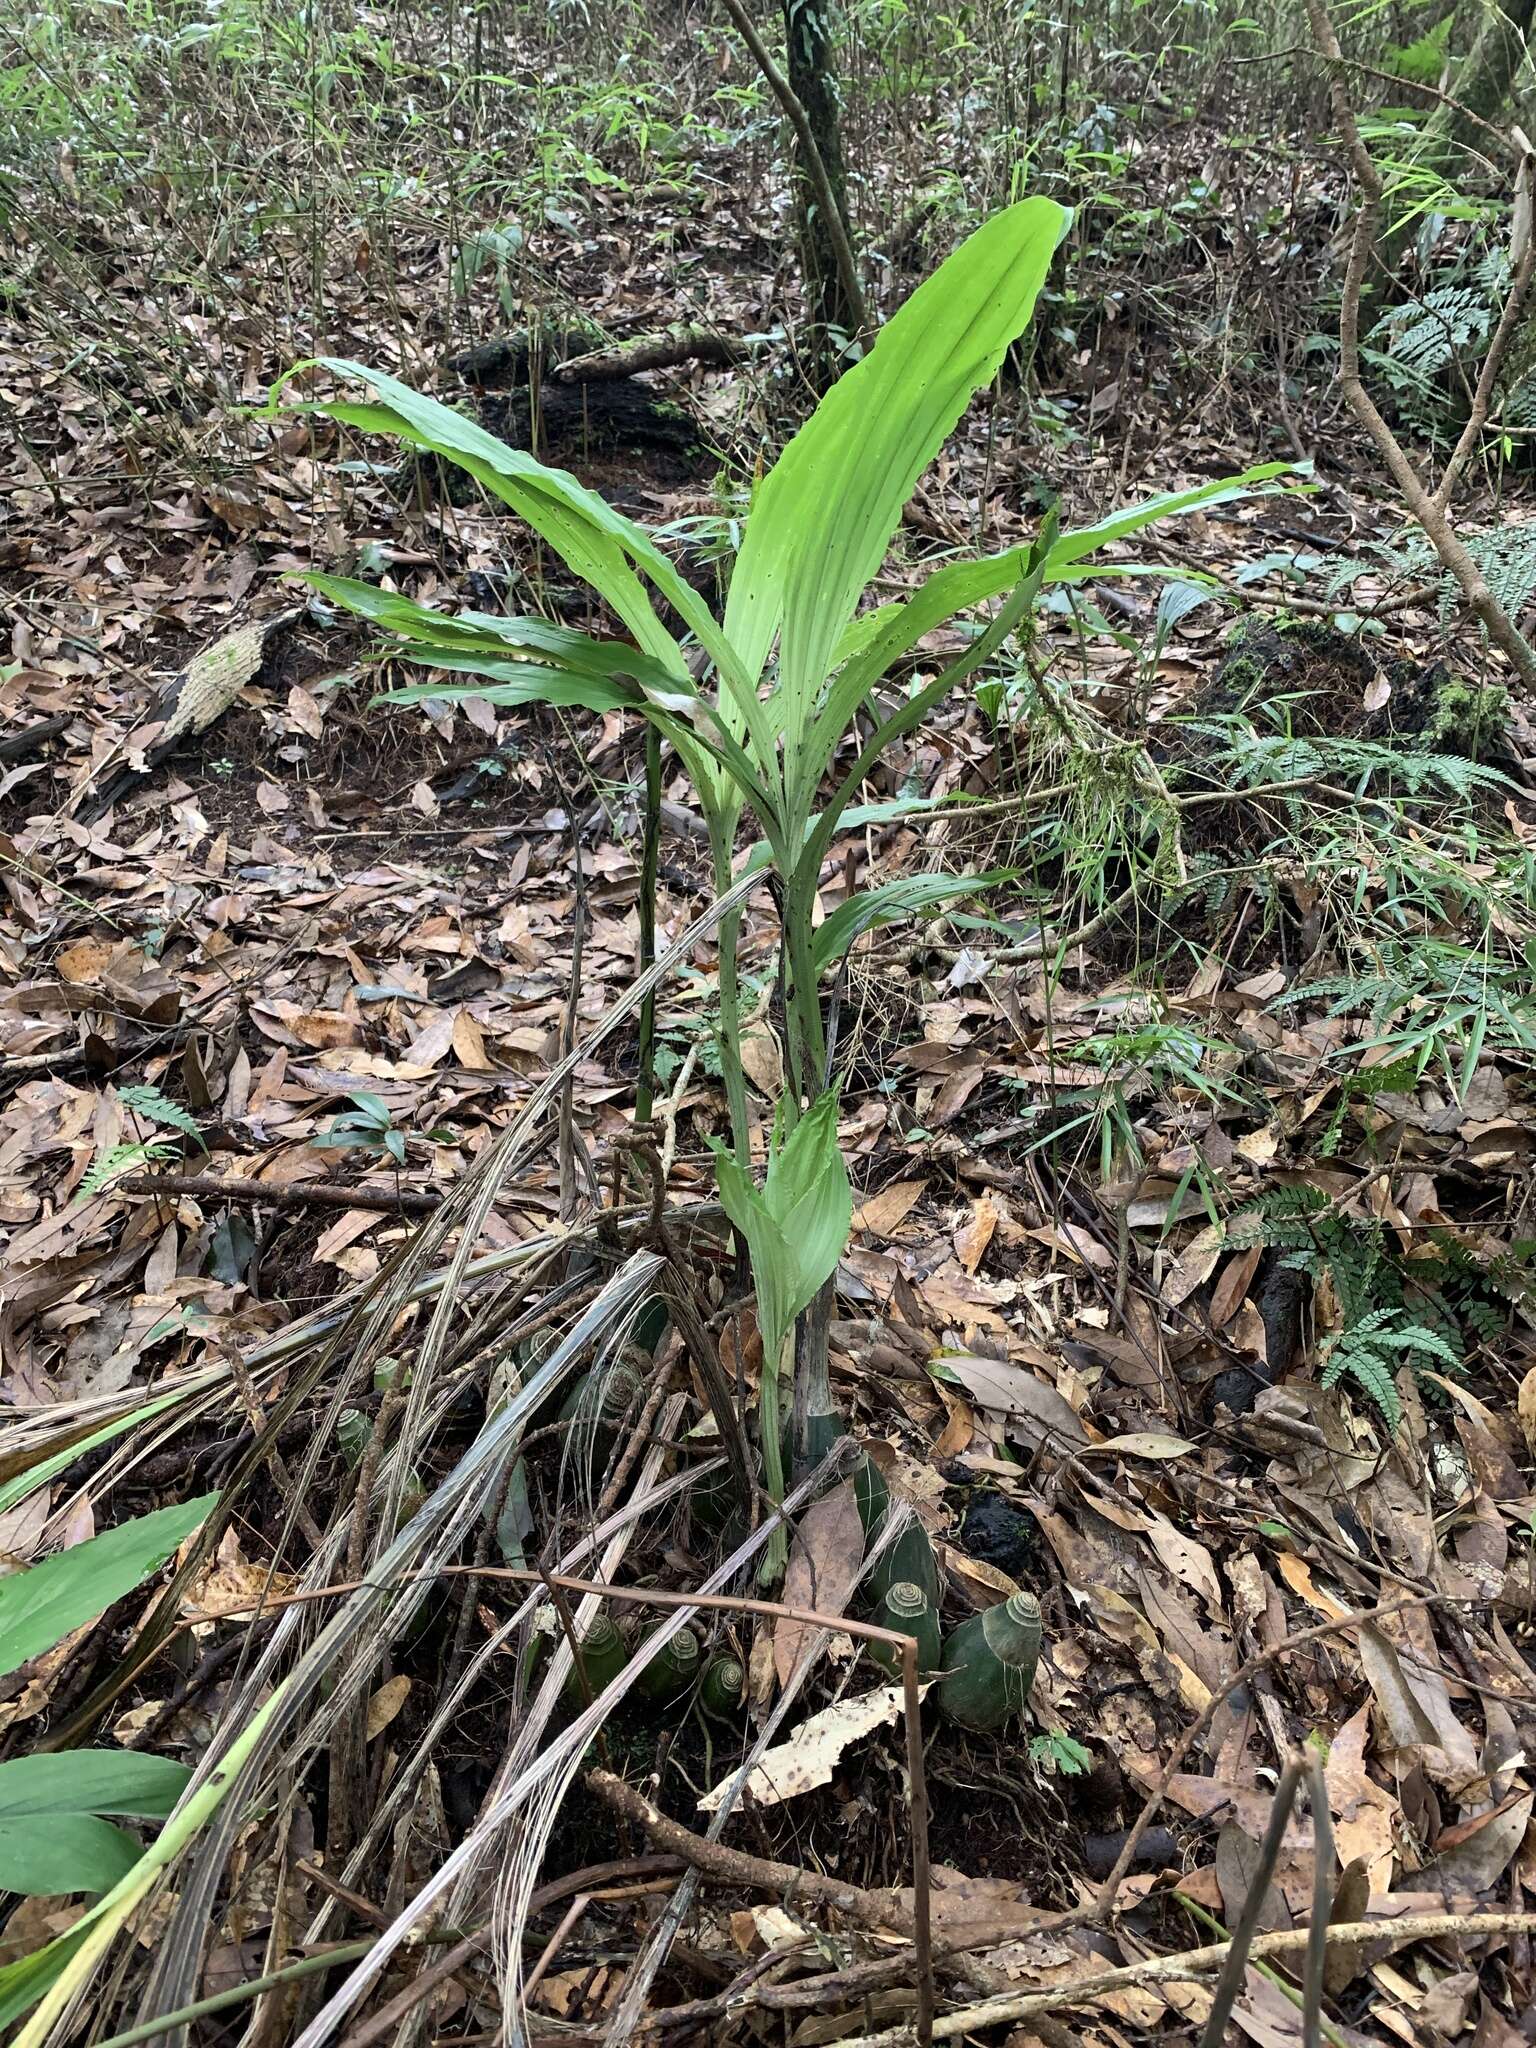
x=156, y=1108
x=1372, y=1374
x=118, y=1160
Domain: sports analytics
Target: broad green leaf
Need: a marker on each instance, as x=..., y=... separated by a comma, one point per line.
x=55, y=1973
x=508, y=682
x=891, y=902
x=807, y=1190
x=823, y=518
x=44, y=1603
x=600, y=545
x=63, y=1852
x=91, y=1781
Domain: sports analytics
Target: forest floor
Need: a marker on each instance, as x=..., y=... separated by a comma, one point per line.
x=1116, y=1212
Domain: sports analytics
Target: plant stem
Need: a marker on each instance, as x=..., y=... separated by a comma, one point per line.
x=728, y=1037
x=776, y=1551
x=238, y=1994
x=807, y=1038
x=650, y=850
x=814, y=1409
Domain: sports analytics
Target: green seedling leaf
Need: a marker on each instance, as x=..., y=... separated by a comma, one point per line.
x=796, y=1225
x=47, y=1601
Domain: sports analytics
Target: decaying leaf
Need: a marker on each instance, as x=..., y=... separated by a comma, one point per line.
x=823, y=1566
x=809, y=1758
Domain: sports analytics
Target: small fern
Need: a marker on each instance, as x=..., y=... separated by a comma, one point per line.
x=120, y=1159
x=156, y=1108
x=1371, y=1351
x=1425, y=59
x=1378, y=1331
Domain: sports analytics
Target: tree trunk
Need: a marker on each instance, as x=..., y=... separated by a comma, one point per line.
x=813, y=80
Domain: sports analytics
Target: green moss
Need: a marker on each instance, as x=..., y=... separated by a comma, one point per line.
x=1469, y=718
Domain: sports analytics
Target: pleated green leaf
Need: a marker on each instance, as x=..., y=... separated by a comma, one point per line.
x=823, y=519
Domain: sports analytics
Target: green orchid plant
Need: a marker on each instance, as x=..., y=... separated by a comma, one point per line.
x=760, y=705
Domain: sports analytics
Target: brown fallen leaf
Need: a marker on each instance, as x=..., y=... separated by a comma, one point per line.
x=972, y=1239
x=1474, y=1855
x=823, y=1566
x=385, y=1705
x=1037, y=1413
x=1364, y=1813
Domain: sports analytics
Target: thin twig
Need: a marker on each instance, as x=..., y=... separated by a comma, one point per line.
x=1198, y=1962
x=1425, y=507
x=1230, y=1982
x=209, y=1187
x=816, y=169
x=386, y=2021
x=1315, y=1972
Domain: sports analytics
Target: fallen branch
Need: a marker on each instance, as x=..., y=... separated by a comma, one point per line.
x=16, y=746
x=662, y=351
x=889, y=1911
x=303, y=1194
x=1199, y=1962
x=876, y=1911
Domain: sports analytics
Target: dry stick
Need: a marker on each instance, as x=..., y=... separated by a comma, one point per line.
x=788, y=99
x=681, y=344
x=1314, y=1975
x=1230, y=1982
x=208, y=1187
x=872, y=1911
x=1427, y=509
x=422, y=1985
x=1196, y=1962
x=573, y=1912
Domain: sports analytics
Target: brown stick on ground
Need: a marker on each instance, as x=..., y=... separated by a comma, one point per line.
x=1428, y=508
x=1199, y=1962
x=653, y=352
x=889, y=1910
x=210, y=1187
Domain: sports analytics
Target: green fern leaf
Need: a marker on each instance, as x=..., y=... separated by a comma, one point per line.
x=159, y=1109
x=118, y=1160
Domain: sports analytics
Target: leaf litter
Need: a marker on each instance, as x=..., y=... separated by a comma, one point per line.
x=309, y=946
